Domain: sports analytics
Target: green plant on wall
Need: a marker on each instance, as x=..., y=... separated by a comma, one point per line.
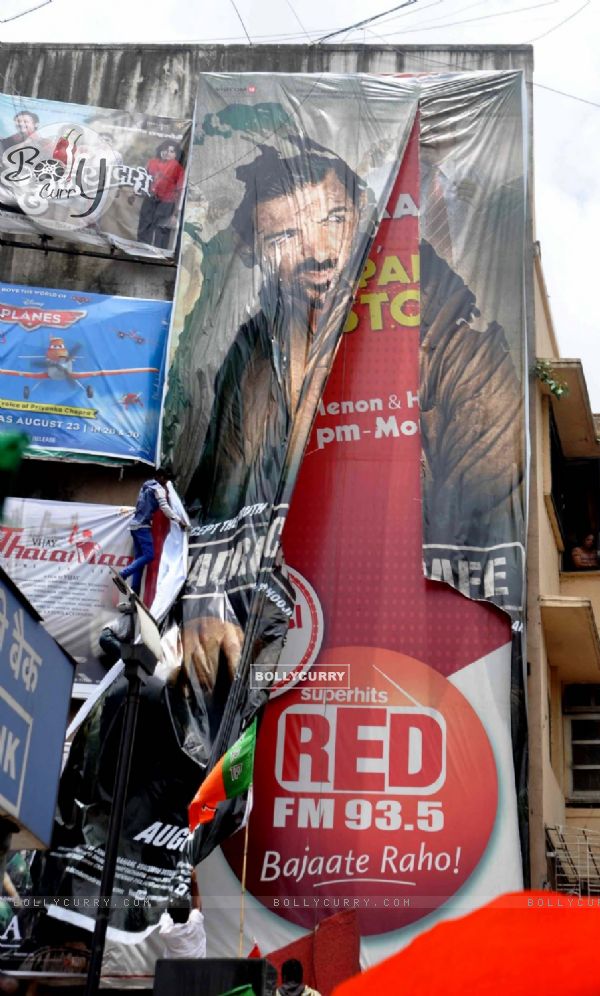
x=544, y=372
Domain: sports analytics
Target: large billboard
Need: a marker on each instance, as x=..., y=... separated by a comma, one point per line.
x=240, y=404
x=386, y=772
x=92, y=175
x=83, y=373
x=386, y=780
x=280, y=221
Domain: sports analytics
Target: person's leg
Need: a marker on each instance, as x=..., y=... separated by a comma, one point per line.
x=145, y=230
x=162, y=224
x=126, y=572
x=143, y=548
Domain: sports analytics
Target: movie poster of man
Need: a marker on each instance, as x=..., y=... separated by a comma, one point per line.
x=286, y=194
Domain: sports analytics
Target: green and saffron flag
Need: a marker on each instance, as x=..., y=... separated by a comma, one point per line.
x=231, y=776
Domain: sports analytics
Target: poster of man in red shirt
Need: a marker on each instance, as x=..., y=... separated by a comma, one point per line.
x=155, y=226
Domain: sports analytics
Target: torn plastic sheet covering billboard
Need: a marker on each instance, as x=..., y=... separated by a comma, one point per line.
x=423, y=669
x=83, y=373
x=280, y=234
x=290, y=177
x=473, y=336
x=386, y=780
x=91, y=175
x=60, y=554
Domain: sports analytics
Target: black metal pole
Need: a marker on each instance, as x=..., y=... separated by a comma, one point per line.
x=134, y=681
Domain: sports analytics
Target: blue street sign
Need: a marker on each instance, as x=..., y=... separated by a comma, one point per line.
x=36, y=676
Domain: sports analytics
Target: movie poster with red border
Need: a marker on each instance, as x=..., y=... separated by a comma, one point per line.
x=385, y=770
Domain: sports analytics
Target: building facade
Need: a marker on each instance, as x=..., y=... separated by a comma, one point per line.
x=563, y=640
x=563, y=607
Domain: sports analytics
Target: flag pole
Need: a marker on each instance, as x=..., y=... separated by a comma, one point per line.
x=243, y=895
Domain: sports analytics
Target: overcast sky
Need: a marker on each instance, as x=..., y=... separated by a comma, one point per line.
x=567, y=130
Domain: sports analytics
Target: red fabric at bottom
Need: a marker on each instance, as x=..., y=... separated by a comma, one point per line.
x=160, y=531
x=521, y=944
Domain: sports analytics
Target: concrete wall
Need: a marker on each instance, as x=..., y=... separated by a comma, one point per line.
x=582, y=585
x=548, y=782
x=548, y=773
x=587, y=819
x=546, y=792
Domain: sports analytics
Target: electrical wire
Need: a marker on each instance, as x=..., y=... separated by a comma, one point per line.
x=30, y=10
x=367, y=20
x=560, y=23
x=292, y=36
x=293, y=10
x=233, y=4
x=483, y=17
x=434, y=3
x=572, y=96
x=408, y=13
x=436, y=21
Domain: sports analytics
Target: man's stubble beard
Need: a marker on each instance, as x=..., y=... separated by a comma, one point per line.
x=285, y=307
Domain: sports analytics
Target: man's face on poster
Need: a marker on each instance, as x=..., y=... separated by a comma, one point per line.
x=305, y=240
x=25, y=124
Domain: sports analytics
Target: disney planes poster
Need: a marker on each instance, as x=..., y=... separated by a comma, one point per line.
x=83, y=373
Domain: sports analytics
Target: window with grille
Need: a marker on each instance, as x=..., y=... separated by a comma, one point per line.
x=581, y=707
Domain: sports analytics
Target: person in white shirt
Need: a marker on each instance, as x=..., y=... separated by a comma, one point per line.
x=184, y=936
